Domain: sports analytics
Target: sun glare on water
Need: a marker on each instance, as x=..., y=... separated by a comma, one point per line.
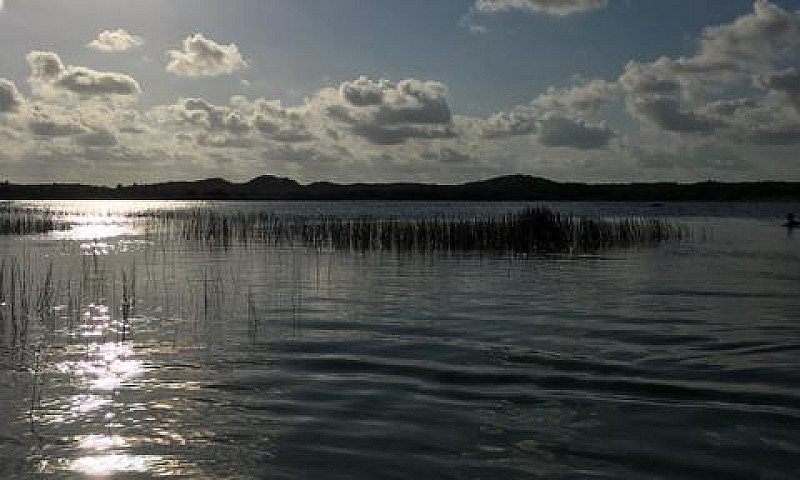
x=104, y=465
x=96, y=220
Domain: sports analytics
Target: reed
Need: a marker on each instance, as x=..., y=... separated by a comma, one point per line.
x=533, y=230
x=16, y=220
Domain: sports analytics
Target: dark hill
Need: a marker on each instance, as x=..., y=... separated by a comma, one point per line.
x=505, y=188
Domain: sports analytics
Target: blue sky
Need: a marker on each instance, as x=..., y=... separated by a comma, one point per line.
x=466, y=91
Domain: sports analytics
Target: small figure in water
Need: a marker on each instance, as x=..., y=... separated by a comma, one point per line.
x=791, y=222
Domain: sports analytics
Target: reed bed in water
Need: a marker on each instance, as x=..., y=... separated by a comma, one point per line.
x=534, y=230
x=26, y=221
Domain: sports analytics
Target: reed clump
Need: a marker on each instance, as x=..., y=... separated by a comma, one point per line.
x=533, y=230
x=26, y=221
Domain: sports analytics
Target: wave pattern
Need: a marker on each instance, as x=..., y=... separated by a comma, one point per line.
x=677, y=362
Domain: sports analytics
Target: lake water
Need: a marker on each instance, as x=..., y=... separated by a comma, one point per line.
x=146, y=356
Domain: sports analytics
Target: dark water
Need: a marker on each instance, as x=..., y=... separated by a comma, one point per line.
x=681, y=361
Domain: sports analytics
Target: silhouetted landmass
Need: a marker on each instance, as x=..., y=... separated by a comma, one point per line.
x=506, y=188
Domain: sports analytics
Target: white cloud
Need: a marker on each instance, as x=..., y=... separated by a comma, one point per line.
x=753, y=41
x=446, y=156
x=786, y=82
x=666, y=113
x=726, y=54
x=50, y=76
x=584, y=97
x=100, y=137
x=549, y=7
x=115, y=41
x=260, y=119
x=695, y=113
x=10, y=98
x=559, y=117
x=559, y=131
x=387, y=113
x=695, y=95
x=203, y=57
x=45, y=121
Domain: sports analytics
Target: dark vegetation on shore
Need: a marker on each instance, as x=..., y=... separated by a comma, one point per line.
x=507, y=188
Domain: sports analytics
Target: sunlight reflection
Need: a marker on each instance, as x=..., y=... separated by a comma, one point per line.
x=86, y=220
x=107, y=369
x=91, y=229
x=82, y=404
x=95, y=220
x=102, y=443
x=98, y=404
x=76, y=407
x=105, y=208
x=110, y=464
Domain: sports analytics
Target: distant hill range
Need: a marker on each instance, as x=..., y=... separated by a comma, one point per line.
x=506, y=188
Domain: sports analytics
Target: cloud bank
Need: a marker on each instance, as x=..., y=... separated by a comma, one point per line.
x=735, y=97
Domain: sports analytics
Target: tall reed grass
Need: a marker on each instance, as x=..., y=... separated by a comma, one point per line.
x=533, y=230
x=28, y=221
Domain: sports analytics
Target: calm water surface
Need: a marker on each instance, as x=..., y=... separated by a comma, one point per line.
x=156, y=357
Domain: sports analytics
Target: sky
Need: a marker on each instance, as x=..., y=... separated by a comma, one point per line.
x=446, y=91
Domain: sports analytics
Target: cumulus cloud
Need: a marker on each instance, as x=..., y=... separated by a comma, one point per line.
x=519, y=120
x=446, y=156
x=786, y=82
x=88, y=82
x=729, y=107
x=729, y=53
x=727, y=56
x=387, y=113
x=275, y=122
x=46, y=123
x=692, y=96
x=584, y=97
x=381, y=135
x=551, y=129
x=559, y=131
x=414, y=101
x=117, y=40
x=364, y=91
x=203, y=57
x=549, y=7
x=776, y=134
x=666, y=113
x=695, y=94
x=559, y=117
x=697, y=113
x=200, y=113
x=752, y=41
x=10, y=98
x=45, y=66
x=50, y=75
x=641, y=79
x=99, y=137
x=229, y=125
